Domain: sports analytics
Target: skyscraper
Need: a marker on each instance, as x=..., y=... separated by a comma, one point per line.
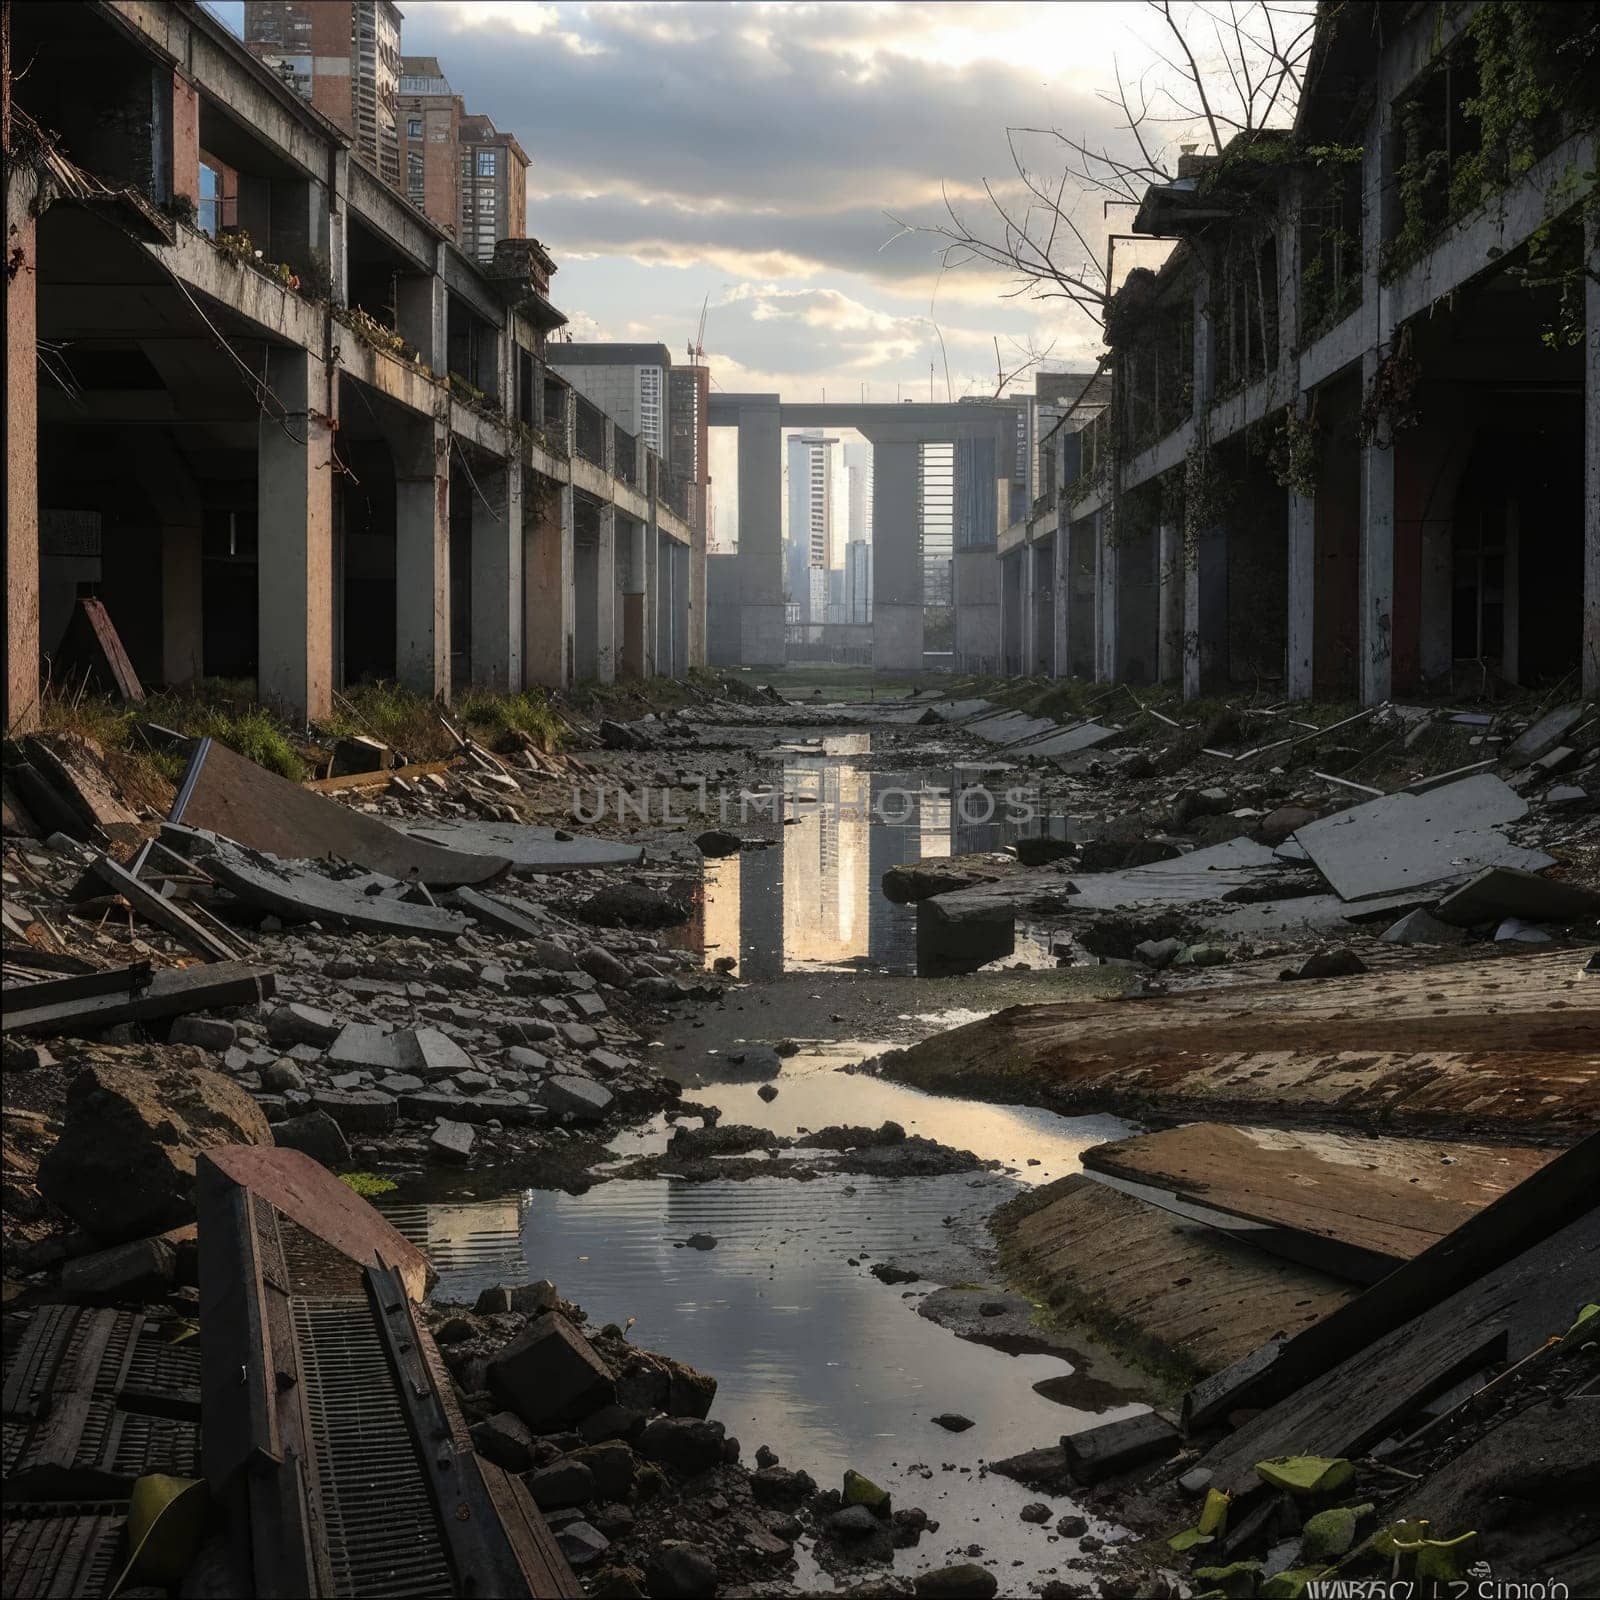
x=812, y=486
x=631, y=382
x=344, y=57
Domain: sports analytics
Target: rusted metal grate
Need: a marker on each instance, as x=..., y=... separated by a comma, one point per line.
x=382, y=1535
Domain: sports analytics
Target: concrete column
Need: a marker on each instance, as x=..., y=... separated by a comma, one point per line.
x=1061, y=611
x=652, y=583
x=294, y=515
x=682, y=602
x=761, y=618
x=22, y=450
x=1591, y=462
x=605, y=597
x=1026, y=578
x=634, y=595
x=497, y=577
x=896, y=558
x=1377, y=560
x=422, y=557
x=1511, y=609
x=1170, y=604
x=182, y=635
x=1205, y=613
x=419, y=314
x=547, y=564
x=1107, y=595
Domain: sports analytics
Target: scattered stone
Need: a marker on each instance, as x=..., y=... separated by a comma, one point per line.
x=123, y=1166
x=611, y=1464
x=1422, y=927
x=451, y=1142
x=563, y=1483
x=953, y=1421
x=601, y=965
x=581, y=1543
x=531, y=1299
x=701, y=1241
x=718, y=842
x=145, y=1269
x=886, y=1272
x=492, y=1301
x=209, y=1033
x=1516, y=930
x=297, y=1024
x=781, y=1486
x=767, y=1092
x=282, y=1075
x=582, y=1099
x=679, y=1570
x=766, y=1456
x=853, y=1522
x=862, y=1491
x=359, y=1110
x=315, y=1134
x=550, y=1375
x=1073, y=1526
x=966, y=1581
x=684, y=1444
x=504, y=1440
x=1158, y=953
x=1276, y=826
x=631, y=905
x=1035, y=1511
x=1332, y=964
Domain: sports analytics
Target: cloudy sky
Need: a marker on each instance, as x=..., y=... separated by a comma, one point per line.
x=755, y=153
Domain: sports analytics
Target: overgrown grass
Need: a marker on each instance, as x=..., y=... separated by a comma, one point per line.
x=490, y=716
x=368, y=1184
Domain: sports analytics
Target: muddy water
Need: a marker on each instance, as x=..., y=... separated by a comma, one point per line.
x=814, y=1356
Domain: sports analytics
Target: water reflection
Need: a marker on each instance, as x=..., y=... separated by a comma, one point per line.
x=812, y=898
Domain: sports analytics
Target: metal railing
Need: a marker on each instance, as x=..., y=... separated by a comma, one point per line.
x=627, y=449
x=590, y=442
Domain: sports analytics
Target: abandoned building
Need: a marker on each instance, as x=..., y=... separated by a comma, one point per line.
x=1355, y=443
x=279, y=422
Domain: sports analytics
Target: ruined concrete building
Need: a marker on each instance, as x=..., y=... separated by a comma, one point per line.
x=287, y=430
x=1354, y=448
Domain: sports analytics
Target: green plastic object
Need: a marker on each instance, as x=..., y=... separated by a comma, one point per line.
x=1306, y=1475
x=1291, y=1585
x=1331, y=1534
x=1214, y=1513
x=1189, y=1539
x=1238, y=1581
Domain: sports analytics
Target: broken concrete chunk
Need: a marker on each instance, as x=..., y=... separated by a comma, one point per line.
x=316, y=1134
x=1501, y=892
x=364, y=1044
x=142, y=1270
x=210, y=1033
x=359, y=1110
x=505, y=1440
x=1517, y=930
x=581, y=1098
x=551, y=1375
x=1543, y=735
x=451, y=1142
x=297, y=1024
x=1422, y=927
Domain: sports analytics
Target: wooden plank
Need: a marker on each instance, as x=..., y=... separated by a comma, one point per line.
x=57, y=1007
x=230, y=796
x=1554, y=1197
x=379, y=780
x=1500, y=1313
x=153, y=908
x=1356, y=1207
x=93, y=643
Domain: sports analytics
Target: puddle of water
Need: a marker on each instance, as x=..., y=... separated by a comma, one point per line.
x=812, y=900
x=813, y=1356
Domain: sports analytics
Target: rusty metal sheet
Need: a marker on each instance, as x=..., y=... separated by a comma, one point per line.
x=312, y=1197
x=229, y=795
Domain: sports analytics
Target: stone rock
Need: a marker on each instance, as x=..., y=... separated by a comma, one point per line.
x=602, y=965
x=1072, y=1527
x=953, y=1421
x=781, y=1486
x=364, y=1044
x=612, y=1466
x=581, y=1543
x=718, y=842
x=564, y=1482
x=316, y=1134
x=1201, y=955
x=142, y=1270
x=767, y=1092
x=631, y=905
x=123, y=1166
x=1158, y=953
x=504, y=1440
x=550, y=1375
x=653, y=1382
x=581, y=1098
x=853, y=1522
x=683, y=1444
x=1422, y=927
x=756, y=1061
x=617, y=1583
x=359, y=1110
x=1035, y=1511
x=297, y=1024
x=611, y=1422
x=1332, y=964
x=533, y=1298
x=966, y=1581
x=493, y=1301
x=678, y=1570
x=210, y=1033
x=1276, y=826
x=1516, y=930
x=281, y=1075
x=766, y=1456
x=451, y=1142
x=862, y=1491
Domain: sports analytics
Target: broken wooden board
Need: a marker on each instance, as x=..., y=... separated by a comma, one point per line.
x=379, y=779
x=65, y=787
x=1558, y=1193
x=1355, y=1207
x=164, y=913
x=1502, y=1314
x=226, y=794
x=297, y=891
x=131, y=994
x=1174, y=1290
x=1414, y=841
x=312, y=1197
x=1501, y=1046
x=93, y=645
x=527, y=848
x=1193, y=879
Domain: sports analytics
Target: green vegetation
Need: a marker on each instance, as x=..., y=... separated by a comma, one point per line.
x=368, y=1184
x=527, y=712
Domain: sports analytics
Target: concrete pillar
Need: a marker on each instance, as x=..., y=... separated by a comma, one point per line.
x=897, y=557
x=1511, y=609
x=761, y=615
x=1377, y=561
x=185, y=137
x=22, y=450
x=1205, y=613
x=1302, y=620
x=497, y=577
x=634, y=595
x=294, y=515
x=1591, y=461
x=1107, y=595
x=547, y=564
x=1170, y=603
x=1025, y=577
x=652, y=584
x=422, y=557
x=419, y=315
x=683, y=616
x=605, y=597
x=1060, y=609
x=182, y=634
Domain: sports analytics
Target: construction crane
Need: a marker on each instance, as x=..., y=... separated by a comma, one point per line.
x=697, y=350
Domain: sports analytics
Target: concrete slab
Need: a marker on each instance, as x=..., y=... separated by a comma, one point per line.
x=1543, y=735
x=529, y=849
x=1506, y=892
x=1086, y=736
x=1409, y=841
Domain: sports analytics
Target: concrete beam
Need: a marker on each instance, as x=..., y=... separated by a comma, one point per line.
x=398, y=224
x=294, y=516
